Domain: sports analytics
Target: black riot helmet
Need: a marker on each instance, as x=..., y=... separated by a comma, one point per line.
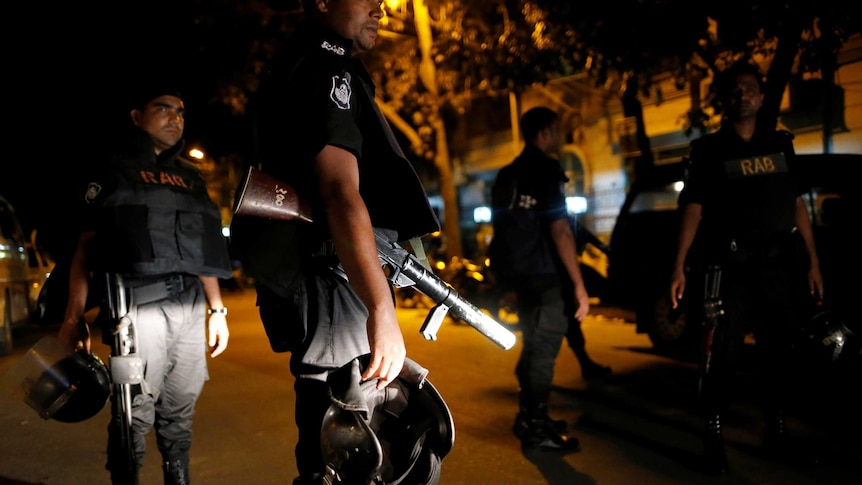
x=824, y=339
x=396, y=435
x=71, y=390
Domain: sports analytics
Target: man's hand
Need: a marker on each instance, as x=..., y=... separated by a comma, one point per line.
x=583, y=299
x=74, y=332
x=387, y=349
x=677, y=287
x=218, y=333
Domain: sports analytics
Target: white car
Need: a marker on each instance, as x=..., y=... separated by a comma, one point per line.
x=21, y=278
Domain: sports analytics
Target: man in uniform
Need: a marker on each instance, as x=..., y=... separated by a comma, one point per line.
x=148, y=217
x=533, y=253
x=322, y=293
x=744, y=205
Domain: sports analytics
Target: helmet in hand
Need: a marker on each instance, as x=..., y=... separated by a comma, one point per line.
x=73, y=389
x=398, y=434
x=825, y=338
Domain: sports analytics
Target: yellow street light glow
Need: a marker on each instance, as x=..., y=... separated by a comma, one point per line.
x=196, y=154
x=392, y=4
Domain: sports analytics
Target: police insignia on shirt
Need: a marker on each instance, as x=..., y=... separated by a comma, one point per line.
x=92, y=192
x=340, y=93
x=337, y=49
x=526, y=201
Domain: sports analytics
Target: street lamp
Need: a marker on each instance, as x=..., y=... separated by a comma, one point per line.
x=196, y=153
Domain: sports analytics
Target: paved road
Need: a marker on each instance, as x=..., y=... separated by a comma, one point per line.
x=639, y=426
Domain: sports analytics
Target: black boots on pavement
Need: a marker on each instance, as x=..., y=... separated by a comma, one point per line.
x=176, y=469
x=715, y=460
x=537, y=430
x=776, y=445
x=591, y=370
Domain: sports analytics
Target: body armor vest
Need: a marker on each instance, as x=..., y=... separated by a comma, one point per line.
x=762, y=196
x=159, y=219
x=749, y=195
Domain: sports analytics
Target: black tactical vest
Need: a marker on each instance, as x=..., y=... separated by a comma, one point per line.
x=748, y=192
x=159, y=219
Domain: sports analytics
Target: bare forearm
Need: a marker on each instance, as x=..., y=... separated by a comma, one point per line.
x=688, y=228
x=74, y=329
x=212, y=291
x=353, y=237
x=803, y=225
x=78, y=280
x=564, y=241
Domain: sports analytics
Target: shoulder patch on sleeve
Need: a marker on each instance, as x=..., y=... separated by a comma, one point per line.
x=341, y=91
x=92, y=192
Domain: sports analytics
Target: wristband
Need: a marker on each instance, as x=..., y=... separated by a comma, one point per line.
x=222, y=310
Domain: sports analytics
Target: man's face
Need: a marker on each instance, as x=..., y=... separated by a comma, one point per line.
x=745, y=97
x=356, y=20
x=550, y=139
x=164, y=119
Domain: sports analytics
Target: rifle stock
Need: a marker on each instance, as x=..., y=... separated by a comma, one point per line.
x=260, y=195
x=713, y=311
x=126, y=365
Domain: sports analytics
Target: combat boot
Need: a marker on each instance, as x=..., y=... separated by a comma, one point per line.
x=545, y=434
x=591, y=370
x=778, y=444
x=533, y=409
x=538, y=431
x=775, y=442
x=522, y=422
x=176, y=469
x=715, y=459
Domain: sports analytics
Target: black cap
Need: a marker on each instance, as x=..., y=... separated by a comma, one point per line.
x=727, y=79
x=145, y=93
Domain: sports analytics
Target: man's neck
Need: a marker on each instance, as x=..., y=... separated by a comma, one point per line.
x=745, y=128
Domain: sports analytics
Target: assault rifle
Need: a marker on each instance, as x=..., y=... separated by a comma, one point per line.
x=713, y=310
x=260, y=195
x=126, y=365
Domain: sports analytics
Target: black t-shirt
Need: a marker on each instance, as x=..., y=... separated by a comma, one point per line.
x=526, y=197
x=319, y=95
x=322, y=95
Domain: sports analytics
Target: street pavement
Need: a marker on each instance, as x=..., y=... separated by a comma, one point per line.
x=638, y=426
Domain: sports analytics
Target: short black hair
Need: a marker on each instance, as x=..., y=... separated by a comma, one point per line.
x=727, y=79
x=535, y=120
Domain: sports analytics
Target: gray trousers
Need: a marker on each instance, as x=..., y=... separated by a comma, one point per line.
x=170, y=338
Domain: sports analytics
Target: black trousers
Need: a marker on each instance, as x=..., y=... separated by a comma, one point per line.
x=543, y=323
x=323, y=327
x=762, y=297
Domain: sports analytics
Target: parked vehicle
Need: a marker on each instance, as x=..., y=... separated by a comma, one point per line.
x=643, y=244
x=642, y=248
x=22, y=273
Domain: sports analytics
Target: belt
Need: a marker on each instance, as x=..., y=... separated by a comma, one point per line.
x=158, y=288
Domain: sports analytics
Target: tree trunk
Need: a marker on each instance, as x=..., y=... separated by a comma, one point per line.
x=780, y=70
x=632, y=106
x=451, y=212
x=428, y=76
